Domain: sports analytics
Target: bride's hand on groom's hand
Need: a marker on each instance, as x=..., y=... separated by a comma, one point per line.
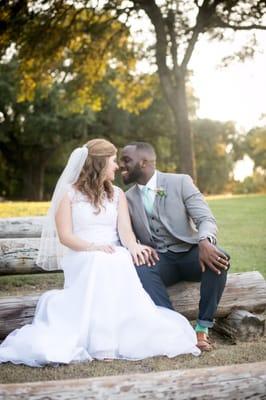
x=142, y=254
x=151, y=256
x=212, y=258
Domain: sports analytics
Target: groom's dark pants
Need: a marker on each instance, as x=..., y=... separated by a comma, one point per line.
x=175, y=267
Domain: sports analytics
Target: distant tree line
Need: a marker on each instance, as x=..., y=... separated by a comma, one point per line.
x=37, y=135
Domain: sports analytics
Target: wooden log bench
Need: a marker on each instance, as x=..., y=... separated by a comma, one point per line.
x=18, y=256
x=242, y=381
x=21, y=227
x=19, y=244
x=246, y=291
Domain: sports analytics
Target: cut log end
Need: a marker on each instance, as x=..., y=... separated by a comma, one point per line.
x=241, y=325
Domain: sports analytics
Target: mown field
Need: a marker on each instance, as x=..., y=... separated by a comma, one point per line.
x=242, y=232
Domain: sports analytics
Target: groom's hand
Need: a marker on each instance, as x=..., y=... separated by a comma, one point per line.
x=211, y=257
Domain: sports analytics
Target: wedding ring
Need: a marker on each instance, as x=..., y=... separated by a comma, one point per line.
x=218, y=258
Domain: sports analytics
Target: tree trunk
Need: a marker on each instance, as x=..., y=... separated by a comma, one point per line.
x=33, y=179
x=242, y=381
x=172, y=81
x=176, y=98
x=183, y=129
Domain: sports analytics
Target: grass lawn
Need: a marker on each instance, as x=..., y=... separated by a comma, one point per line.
x=242, y=232
x=22, y=208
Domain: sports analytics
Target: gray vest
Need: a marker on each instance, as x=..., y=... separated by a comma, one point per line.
x=163, y=239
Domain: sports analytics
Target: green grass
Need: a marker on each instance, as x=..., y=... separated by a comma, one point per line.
x=242, y=230
x=22, y=208
x=15, y=285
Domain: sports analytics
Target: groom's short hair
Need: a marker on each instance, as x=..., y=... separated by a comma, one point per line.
x=145, y=147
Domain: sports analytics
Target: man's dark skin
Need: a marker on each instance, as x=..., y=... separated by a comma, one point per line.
x=139, y=167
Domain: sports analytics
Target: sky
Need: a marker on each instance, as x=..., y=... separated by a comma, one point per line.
x=237, y=92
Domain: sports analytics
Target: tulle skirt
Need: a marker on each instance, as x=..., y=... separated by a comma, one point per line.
x=102, y=312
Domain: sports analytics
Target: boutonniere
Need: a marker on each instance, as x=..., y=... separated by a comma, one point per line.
x=160, y=192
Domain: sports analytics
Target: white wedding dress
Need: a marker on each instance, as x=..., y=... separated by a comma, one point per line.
x=103, y=310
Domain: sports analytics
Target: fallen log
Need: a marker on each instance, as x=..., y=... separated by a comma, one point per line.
x=21, y=227
x=242, y=381
x=243, y=291
x=246, y=291
x=241, y=325
x=18, y=256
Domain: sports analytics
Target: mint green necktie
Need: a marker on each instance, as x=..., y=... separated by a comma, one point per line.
x=147, y=199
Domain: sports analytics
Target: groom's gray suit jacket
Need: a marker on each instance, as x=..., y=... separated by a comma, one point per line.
x=183, y=211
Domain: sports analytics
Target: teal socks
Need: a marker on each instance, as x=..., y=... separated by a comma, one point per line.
x=200, y=328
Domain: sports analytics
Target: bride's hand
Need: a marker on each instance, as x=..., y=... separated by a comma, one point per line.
x=106, y=248
x=151, y=256
x=141, y=254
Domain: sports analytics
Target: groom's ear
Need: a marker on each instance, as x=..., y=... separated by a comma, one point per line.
x=143, y=163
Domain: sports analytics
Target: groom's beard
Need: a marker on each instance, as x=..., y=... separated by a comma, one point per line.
x=132, y=176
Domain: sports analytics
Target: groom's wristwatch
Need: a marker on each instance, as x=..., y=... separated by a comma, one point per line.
x=210, y=238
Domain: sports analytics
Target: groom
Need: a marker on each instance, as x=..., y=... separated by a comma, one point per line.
x=169, y=213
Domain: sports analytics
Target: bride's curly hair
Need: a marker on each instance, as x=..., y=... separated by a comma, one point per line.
x=92, y=180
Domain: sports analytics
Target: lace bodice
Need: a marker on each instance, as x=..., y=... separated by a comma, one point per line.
x=88, y=225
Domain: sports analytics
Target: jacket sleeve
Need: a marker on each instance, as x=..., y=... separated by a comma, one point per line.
x=198, y=209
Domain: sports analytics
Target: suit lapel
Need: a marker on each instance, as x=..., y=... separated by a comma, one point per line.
x=160, y=200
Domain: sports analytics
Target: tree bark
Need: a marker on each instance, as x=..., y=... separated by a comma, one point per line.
x=242, y=381
x=184, y=133
x=244, y=291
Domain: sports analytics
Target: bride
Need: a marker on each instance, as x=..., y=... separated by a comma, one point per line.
x=102, y=312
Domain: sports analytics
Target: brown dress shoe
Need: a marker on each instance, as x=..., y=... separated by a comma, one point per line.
x=204, y=343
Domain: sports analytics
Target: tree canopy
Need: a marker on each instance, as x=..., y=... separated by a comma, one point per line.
x=256, y=146
x=32, y=132
x=69, y=57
